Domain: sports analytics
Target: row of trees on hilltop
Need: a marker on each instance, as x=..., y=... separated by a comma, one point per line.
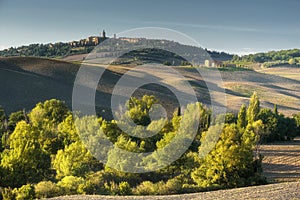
x=117, y=46
x=45, y=50
x=291, y=56
x=42, y=154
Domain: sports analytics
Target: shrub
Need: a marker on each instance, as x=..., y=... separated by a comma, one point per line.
x=172, y=186
x=70, y=184
x=25, y=192
x=149, y=188
x=122, y=188
x=94, y=184
x=8, y=194
x=46, y=189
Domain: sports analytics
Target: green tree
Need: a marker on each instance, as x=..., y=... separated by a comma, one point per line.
x=275, y=110
x=227, y=118
x=67, y=131
x=74, y=160
x=14, y=118
x=242, y=121
x=230, y=163
x=292, y=61
x=138, y=109
x=253, y=108
x=46, y=117
x=114, y=155
x=54, y=111
x=24, y=161
x=296, y=117
x=292, y=130
x=270, y=125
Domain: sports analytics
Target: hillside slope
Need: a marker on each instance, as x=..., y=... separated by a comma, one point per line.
x=26, y=81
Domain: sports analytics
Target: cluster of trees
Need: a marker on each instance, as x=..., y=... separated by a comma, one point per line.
x=46, y=50
x=42, y=154
x=275, y=126
x=288, y=56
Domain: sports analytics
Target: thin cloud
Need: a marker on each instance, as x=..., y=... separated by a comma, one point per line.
x=206, y=26
x=222, y=27
x=215, y=27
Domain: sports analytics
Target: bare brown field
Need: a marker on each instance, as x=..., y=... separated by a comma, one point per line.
x=280, y=191
x=282, y=161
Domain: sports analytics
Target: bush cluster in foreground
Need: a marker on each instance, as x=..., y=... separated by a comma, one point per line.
x=42, y=154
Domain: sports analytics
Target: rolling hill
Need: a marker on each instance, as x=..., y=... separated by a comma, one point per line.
x=26, y=81
x=29, y=80
x=79, y=49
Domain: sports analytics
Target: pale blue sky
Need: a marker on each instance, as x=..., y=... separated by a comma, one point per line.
x=236, y=26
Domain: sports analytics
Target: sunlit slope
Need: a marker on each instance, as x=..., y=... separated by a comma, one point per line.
x=28, y=80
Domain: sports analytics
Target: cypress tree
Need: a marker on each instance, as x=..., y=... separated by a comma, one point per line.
x=242, y=121
x=253, y=109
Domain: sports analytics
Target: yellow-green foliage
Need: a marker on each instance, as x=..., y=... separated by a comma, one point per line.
x=230, y=163
x=74, y=160
x=70, y=184
x=123, y=188
x=46, y=189
x=51, y=132
x=172, y=186
x=25, y=192
x=25, y=161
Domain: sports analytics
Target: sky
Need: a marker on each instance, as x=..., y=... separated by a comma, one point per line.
x=234, y=26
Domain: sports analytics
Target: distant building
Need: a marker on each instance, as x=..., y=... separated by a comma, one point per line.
x=207, y=63
x=90, y=41
x=103, y=34
x=212, y=63
x=131, y=40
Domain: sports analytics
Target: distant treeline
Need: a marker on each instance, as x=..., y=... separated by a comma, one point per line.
x=289, y=56
x=46, y=50
x=60, y=49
